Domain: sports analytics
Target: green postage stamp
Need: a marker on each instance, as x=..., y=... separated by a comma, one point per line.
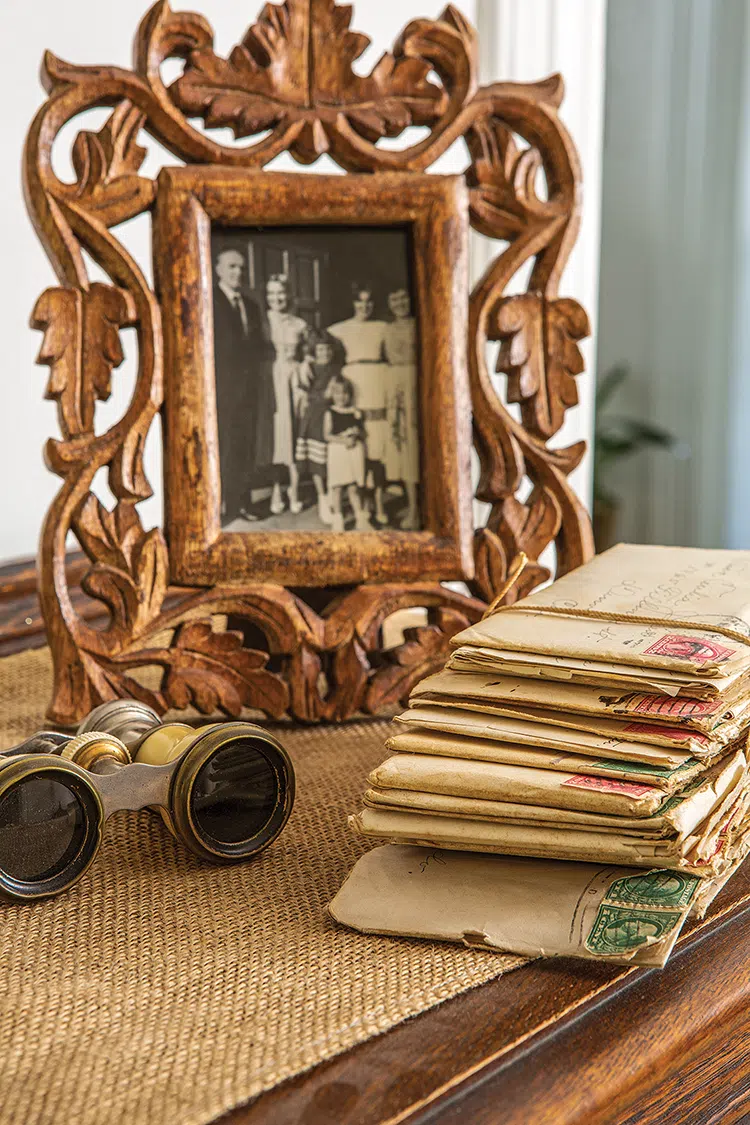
x=654, y=888
x=640, y=909
x=618, y=929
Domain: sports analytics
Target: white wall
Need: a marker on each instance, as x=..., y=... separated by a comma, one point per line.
x=521, y=39
x=668, y=304
x=738, y=491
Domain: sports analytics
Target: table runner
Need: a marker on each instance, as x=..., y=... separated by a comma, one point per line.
x=163, y=989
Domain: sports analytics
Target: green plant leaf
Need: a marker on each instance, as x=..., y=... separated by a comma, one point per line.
x=648, y=434
x=616, y=445
x=608, y=383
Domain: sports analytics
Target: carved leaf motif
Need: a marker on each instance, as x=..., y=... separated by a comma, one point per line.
x=568, y=458
x=399, y=95
x=277, y=75
x=424, y=652
x=304, y=673
x=530, y=526
x=490, y=564
x=57, y=313
x=502, y=181
x=116, y=589
x=333, y=38
x=108, y=537
x=106, y=166
x=106, y=310
x=533, y=575
x=134, y=596
x=349, y=674
x=251, y=90
x=540, y=354
x=81, y=362
x=527, y=529
x=151, y=569
x=214, y=672
x=130, y=571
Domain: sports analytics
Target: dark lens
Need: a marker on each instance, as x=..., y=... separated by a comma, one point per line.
x=235, y=794
x=42, y=829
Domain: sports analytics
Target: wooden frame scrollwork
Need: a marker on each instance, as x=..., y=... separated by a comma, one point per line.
x=291, y=83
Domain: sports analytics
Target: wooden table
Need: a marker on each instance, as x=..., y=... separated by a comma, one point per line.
x=558, y=1042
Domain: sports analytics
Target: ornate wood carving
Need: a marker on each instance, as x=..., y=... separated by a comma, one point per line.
x=291, y=82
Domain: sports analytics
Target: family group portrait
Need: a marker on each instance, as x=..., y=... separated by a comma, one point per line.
x=315, y=355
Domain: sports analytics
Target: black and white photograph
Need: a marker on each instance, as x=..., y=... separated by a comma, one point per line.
x=315, y=357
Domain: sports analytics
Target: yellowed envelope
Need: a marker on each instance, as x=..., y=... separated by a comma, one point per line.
x=543, y=841
x=663, y=768
x=564, y=699
x=507, y=662
x=460, y=777
x=703, y=806
x=685, y=609
x=473, y=808
x=528, y=906
x=640, y=734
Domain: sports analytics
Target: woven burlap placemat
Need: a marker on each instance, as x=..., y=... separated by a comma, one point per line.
x=163, y=989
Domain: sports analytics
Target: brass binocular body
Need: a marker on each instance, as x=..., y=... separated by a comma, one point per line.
x=225, y=790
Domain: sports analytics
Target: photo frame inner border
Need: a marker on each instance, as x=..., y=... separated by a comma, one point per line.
x=435, y=209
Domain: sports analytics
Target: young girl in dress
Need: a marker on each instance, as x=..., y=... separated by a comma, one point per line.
x=344, y=432
x=312, y=449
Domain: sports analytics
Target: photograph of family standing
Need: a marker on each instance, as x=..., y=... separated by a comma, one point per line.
x=315, y=350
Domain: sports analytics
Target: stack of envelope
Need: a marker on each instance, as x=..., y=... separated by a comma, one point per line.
x=603, y=719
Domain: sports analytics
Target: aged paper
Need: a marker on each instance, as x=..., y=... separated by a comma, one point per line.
x=684, y=609
x=657, y=745
x=474, y=808
x=707, y=716
x=528, y=906
x=601, y=721
x=568, y=842
x=699, y=810
x=473, y=658
x=462, y=777
x=639, y=731
x=416, y=741
x=553, y=789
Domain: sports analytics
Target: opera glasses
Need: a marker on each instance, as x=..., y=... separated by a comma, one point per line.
x=225, y=790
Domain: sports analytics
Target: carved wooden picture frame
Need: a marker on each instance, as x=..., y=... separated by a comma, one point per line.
x=290, y=86
x=432, y=212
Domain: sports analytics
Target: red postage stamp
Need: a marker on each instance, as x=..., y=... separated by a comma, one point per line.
x=672, y=705
x=609, y=785
x=681, y=734
x=696, y=650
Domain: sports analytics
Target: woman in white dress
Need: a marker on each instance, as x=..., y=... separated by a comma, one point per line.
x=363, y=342
x=402, y=448
x=288, y=333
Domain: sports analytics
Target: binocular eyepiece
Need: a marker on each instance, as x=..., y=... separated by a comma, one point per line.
x=225, y=790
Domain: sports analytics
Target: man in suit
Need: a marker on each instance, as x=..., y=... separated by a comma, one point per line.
x=242, y=383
